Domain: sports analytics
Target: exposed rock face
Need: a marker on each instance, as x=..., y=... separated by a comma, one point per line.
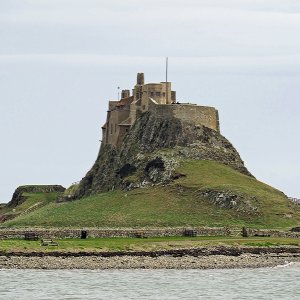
x=152, y=150
x=18, y=197
x=231, y=200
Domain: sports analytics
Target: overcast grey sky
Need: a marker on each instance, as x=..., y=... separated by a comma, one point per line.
x=62, y=60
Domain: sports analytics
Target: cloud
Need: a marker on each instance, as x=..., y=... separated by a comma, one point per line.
x=271, y=5
x=260, y=66
x=179, y=28
x=139, y=13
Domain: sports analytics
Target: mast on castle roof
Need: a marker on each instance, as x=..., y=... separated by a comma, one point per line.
x=166, y=80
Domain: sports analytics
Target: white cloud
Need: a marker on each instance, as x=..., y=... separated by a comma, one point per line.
x=260, y=66
x=240, y=28
x=139, y=13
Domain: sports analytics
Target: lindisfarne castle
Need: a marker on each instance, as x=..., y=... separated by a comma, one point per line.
x=157, y=98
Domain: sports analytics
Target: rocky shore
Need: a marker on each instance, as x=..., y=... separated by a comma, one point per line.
x=182, y=259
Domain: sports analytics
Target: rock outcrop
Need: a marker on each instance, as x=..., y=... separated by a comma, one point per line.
x=150, y=153
x=19, y=198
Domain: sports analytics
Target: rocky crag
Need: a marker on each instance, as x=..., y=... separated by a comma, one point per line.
x=18, y=196
x=23, y=197
x=150, y=153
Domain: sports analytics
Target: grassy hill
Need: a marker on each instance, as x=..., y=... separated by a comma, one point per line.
x=207, y=193
x=32, y=201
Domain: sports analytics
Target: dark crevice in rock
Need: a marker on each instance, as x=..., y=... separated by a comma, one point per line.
x=156, y=163
x=126, y=170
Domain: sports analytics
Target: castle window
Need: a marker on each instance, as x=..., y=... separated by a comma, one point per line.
x=157, y=94
x=144, y=107
x=164, y=94
x=111, y=128
x=151, y=94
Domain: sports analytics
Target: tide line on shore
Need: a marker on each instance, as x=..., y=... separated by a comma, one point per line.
x=182, y=259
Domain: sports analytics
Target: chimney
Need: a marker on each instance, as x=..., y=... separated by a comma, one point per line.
x=140, y=79
x=125, y=94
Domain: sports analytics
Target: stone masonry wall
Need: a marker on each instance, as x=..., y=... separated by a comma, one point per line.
x=199, y=115
x=102, y=233
x=6, y=233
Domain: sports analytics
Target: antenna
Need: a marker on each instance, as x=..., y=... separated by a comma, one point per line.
x=167, y=79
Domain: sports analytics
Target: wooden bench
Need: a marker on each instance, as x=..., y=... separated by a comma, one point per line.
x=48, y=242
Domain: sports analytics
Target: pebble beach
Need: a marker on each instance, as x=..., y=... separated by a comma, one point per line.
x=165, y=261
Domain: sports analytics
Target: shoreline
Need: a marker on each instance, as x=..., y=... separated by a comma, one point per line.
x=198, y=258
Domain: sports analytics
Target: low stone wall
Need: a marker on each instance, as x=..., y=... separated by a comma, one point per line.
x=126, y=232
x=6, y=233
x=250, y=232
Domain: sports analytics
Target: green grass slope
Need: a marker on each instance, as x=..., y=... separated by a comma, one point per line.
x=181, y=203
x=33, y=201
x=138, y=244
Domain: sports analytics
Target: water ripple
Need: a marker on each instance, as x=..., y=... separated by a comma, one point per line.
x=268, y=283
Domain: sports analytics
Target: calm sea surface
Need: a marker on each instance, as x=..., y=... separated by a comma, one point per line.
x=281, y=282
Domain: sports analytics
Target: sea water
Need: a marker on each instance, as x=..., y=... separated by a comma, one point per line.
x=282, y=282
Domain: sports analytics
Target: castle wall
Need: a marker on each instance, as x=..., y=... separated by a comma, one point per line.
x=122, y=131
x=200, y=115
x=112, y=128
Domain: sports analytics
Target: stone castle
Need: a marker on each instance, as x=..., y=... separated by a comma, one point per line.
x=157, y=98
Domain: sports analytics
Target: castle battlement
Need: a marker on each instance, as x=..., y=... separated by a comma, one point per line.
x=159, y=99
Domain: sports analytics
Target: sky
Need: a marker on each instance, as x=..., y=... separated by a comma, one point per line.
x=62, y=60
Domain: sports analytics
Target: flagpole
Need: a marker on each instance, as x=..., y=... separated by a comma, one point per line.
x=166, y=80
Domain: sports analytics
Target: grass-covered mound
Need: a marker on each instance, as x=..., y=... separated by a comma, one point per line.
x=31, y=201
x=206, y=193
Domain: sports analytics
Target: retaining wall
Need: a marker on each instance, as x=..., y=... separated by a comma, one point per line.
x=127, y=232
x=147, y=232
